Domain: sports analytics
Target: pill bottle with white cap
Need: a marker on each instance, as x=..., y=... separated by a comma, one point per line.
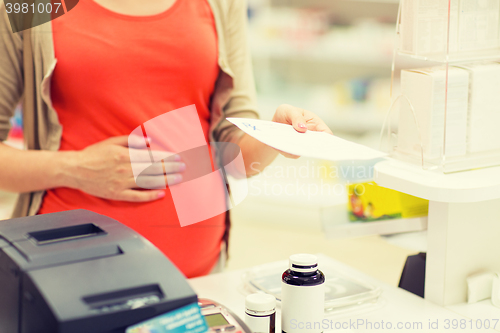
x=302, y=295
x=260, y=313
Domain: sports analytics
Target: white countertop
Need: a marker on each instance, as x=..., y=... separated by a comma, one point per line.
x=396, y=305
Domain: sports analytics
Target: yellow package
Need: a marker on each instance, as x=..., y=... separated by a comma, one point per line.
x=370, y=202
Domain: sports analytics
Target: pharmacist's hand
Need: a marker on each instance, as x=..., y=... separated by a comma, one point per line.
x=301, y=120
x=104, y=170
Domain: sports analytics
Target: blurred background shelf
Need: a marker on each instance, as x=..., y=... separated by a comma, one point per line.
x=333, y=57
x=344, y=8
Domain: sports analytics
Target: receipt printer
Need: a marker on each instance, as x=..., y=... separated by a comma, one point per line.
x=81, y=272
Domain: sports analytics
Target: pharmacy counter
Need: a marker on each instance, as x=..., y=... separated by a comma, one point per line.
x=397, y=309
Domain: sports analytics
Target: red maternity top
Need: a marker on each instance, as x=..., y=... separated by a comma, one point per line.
x=114, y=72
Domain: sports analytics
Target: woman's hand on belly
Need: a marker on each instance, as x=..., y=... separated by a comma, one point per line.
x=105, y=170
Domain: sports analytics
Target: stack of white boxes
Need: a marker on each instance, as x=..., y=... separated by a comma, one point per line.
x=478, y=24
x=469, y=104
x=472, y=112
x=424, y=26
x=423, y=111
x=474, y=26
x=483, y=130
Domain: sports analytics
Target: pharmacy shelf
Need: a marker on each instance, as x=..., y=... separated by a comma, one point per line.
x=394, y=2
x=467, y=186
x=352, y=120
x=355, y=58
x=457, y=58
x=463, y=223
x=308, y=3
x=464, y=207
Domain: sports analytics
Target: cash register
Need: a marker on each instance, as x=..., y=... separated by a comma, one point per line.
x=81, y=272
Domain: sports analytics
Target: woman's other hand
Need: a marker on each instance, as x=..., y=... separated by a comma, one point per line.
x=301, y=120
x=105, y=170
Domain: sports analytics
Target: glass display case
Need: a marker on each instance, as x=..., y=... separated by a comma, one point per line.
x=447, y=111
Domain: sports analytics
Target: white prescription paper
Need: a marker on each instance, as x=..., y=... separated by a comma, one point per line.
x=309, y=144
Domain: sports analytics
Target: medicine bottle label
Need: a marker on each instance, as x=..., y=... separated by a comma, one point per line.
x=263, y=324
x=302, y=308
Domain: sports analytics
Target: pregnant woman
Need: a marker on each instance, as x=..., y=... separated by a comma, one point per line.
x=103, y=69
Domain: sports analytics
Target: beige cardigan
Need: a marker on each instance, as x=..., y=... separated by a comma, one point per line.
x=234, y=94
